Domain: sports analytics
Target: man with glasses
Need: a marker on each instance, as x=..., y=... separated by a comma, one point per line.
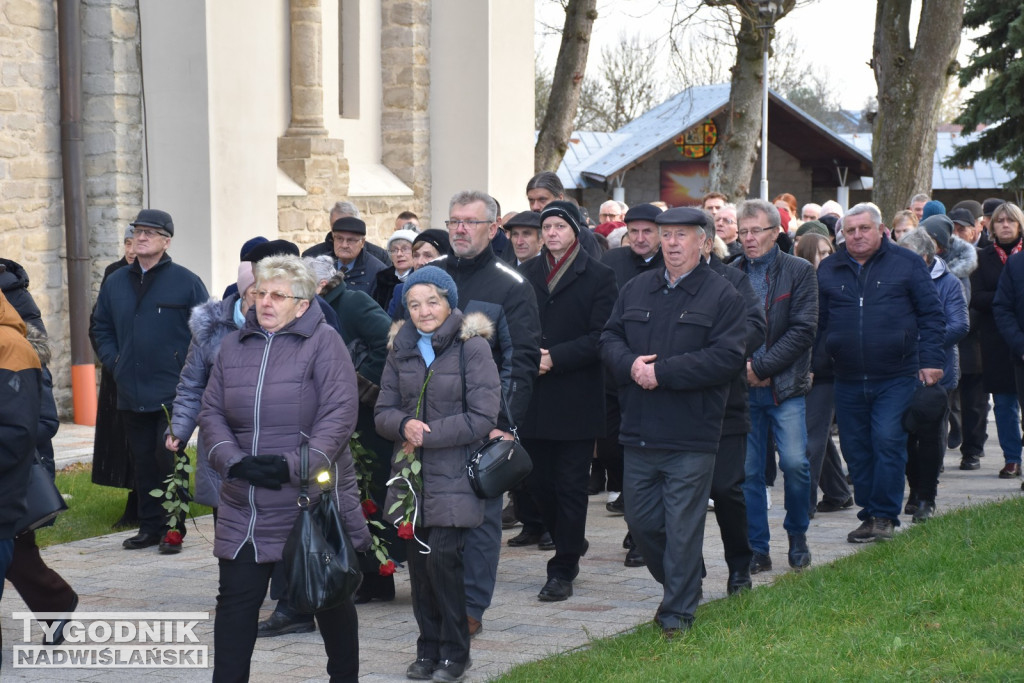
x=492, y=287
x=725, y=227
x=359, y=266
x=779, y=376
x=611, y=211
x=141, y=334
x=882, y=327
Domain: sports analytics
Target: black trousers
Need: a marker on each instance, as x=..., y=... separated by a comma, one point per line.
x=42, y=589
x=243, y=585
x=609, y=450
x=152, y=463
x=973, y=414
x=925, y=451
x=437, y=581
x=730, y=505
x=527, y=511
x=561, y=471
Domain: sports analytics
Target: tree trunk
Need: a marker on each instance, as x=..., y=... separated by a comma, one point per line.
x=733, y=159
x=911, y=82
x=553, y=139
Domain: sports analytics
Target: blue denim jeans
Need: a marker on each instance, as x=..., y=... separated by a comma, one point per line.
x=788, y=423
x=870, y=416
x=1007, y=413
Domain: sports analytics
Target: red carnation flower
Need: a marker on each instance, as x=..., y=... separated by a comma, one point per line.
x=406, y=531
x=369, y=507
x=387, y=569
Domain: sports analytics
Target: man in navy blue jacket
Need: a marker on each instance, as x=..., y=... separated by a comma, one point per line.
x=882, y=326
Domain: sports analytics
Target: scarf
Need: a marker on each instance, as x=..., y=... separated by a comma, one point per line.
x=556, y=269
x=1001, y=250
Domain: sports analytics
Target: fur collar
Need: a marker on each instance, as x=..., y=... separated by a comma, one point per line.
x=961, y=257
x=210, y=317
x=473, y=325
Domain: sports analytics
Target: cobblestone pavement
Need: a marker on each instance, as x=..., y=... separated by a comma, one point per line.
x=609, y=598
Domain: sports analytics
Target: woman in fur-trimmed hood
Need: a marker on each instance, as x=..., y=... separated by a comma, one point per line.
x=439, y=398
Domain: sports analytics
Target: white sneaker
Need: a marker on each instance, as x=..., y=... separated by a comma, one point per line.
x=613, y=496
x=768, y=496
x=711, y=504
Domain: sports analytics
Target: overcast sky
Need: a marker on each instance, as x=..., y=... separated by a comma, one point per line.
x=837, y=35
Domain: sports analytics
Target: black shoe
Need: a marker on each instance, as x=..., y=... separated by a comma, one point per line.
x=170, y=544
x=739, y=580
x=970, y=462
x=555, y=590
x=617, y=506
x=830, y=506
x=508, y=516
x=448, y=671
x=627, y=542
x=545, y=542
x=524, y=538
x=864, y=533
x=954, y=441
x=760, y=563
x=279, y=624
x=925, y=511
x=596, y=483
x=141, y=540
x=799, y=553
x=421, y=669
x=58, y=632
x=911, y=506
x=375, y=587
x=634, y=558
x=670, y=632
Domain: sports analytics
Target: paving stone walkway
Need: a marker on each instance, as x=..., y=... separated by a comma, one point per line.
x=609, y=598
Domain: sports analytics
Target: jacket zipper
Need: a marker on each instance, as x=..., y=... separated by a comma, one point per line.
x=255, y=449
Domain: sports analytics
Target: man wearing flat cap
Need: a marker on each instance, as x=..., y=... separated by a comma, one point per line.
x=675, y=340
x=779, y=375
x=140, y=329
x=644, y=251
x=359, y=266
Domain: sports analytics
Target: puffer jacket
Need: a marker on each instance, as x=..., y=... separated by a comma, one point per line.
x=954, y=305
x=962, y=260
x=447, y=498
x=14, y=284
x=791, y=318
x=210, y=323
x=268, y=394
x=363, y=326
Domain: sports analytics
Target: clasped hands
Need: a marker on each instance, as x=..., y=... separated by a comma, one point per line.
x=265, y=471
x=753, y=380
x=642, y=371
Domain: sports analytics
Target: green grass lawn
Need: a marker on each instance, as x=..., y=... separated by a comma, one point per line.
x=941, y=602
x=92, y=509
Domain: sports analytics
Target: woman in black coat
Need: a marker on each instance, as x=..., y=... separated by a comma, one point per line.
x=575, y=294
x=997, y=360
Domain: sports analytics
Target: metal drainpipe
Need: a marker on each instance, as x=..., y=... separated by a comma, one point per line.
x=76, y=235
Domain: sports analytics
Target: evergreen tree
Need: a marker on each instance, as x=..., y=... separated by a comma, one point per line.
x=997, y=59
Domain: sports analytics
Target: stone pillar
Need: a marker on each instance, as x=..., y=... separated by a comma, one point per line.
x=307, y=92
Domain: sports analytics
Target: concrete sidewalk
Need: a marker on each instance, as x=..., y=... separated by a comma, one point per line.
x=609, y=598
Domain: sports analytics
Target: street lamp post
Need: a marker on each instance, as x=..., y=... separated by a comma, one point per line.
x=767, y=9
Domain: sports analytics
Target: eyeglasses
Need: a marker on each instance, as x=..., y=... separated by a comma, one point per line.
x=609, y=216
x=276, y=297
x=147, y=233
x=400, y=250
x=469, y=224
x=725, y=220
x=756, y=232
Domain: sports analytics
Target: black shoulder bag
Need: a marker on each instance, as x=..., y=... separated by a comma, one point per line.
x=320, y=562
x=499, y=465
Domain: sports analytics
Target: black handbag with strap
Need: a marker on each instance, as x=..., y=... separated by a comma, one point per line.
x=499, y=465
x=321, y=564
x=43, y=501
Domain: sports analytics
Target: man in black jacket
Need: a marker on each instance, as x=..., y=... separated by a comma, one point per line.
x=141, y=333
x=644, y=250
x=779, y=374
x=674, y=342
x=490, y=286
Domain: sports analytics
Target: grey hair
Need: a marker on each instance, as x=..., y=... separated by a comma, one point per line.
x=921, y=243
x=623, y=207
x=750, y=208
x=615, y=237
x=441, y=292
x=345, y=209
x=810, y=205
x=472, y=196
x=547, y=180
x=870, y=209
x=920, y=197
x=290, y=269
x=322, y=267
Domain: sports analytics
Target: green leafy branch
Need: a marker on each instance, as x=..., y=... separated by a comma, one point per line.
x=411, y=472
x=175, y=493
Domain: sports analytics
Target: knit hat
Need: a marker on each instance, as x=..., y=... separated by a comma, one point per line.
x=271, y=248
x=815, y=227
x=436, y=238
x=642, y=212
x=831, y=208
x=129, y=233
x=403, y=234
x=990, y=205
x=432, y=275
x=349, y=224
x=940, y=228
x=154, y=218
x=932, y=207
x=523, y=219
x=969, y=204
x=829, y=221
x=249, y=244
x=567, y=211
x=245, y=277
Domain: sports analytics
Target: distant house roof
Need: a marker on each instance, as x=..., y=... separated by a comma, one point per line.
x=592, y=158
x=980, y=175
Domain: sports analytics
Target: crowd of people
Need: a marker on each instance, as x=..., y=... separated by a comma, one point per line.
x=677, y=357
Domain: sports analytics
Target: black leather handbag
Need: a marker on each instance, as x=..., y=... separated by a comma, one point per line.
x=499, y=465
x=321, y=564
x=43, y=502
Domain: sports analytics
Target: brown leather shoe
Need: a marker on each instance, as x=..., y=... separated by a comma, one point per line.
x=474, y=626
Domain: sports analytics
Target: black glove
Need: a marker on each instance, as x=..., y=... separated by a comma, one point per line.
x=265, y=471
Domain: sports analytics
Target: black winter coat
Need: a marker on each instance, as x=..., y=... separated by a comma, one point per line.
x=568, y=402
x=627, y=265
x=698, y=329
x=996, y=357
